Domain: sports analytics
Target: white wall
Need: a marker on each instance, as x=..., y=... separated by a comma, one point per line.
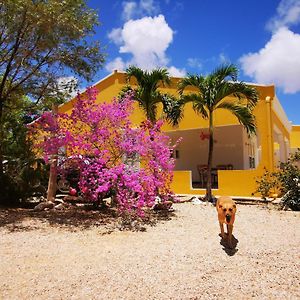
x=228, y=148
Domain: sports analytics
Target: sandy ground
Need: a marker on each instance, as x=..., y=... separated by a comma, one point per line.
x=61, y=256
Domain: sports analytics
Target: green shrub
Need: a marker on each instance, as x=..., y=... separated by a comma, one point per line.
x=10, y=191
x=286, y=181
x=289, y=177
x=22, y=180
x=267, y=184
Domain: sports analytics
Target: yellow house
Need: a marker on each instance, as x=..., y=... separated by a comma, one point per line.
x=247, y=157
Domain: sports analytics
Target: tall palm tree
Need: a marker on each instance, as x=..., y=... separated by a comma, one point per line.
x=147, y=93
x=210, y=95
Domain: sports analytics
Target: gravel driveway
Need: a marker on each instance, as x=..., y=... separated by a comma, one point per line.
x=63, y=257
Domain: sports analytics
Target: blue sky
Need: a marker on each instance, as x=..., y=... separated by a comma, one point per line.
x=262, y=37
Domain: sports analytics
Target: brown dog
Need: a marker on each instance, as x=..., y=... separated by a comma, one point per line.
x=226, y=209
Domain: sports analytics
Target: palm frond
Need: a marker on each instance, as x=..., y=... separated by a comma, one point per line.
x=225, y=71
x=160, y=75
x=243, y=113
x=192, y=81
x=173, y=109
x=199, y=104
x=237, y=89
x=133, y=71
x=148, y=82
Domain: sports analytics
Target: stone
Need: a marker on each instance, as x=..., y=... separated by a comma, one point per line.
x=166, y=205
x=43, y=205
x=71, y=198
x=59, y=206
x=277, y=201
x=58, y=201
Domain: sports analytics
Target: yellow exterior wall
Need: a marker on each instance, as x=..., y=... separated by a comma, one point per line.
x=235, y=182
x=295, y=137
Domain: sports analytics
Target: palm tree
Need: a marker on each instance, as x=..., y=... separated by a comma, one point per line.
x=210, y=95
x=147, y=93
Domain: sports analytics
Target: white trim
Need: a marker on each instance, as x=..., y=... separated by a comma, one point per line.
x=278, y=109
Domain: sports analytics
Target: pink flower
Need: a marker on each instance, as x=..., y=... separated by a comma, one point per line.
x=107, y=150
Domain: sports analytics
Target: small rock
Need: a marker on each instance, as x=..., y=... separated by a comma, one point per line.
x=71, y=198
x=43, y=205
x=59, y=206
x=58, y=201
x=166, y=205
x=277, y=201
x=196, y=200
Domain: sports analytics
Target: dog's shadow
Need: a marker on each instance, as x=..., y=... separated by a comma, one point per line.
x=224, y=242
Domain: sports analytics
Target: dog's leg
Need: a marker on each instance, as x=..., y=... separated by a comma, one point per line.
x=222, y=230
x=229, y=231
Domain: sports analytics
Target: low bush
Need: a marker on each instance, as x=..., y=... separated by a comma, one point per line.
x=286, y=181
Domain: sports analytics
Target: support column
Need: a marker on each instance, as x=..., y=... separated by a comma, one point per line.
x=270, y=138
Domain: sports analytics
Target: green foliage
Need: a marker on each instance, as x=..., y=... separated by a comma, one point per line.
x=286, y=181
x=290, y=181
x=214, y=88
x=22, y=179
x=41, y=41
x=41, y=44
x=267, y=184
x=15, y=141
x=172, y=108
x=147, y=94
x=210, y=93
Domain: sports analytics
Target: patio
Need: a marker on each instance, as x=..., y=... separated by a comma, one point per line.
x=233, y=150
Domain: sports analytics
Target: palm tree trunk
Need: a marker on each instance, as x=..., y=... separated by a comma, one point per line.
x=210, y=156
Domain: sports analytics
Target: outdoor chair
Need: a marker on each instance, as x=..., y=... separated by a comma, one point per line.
x=202, y=170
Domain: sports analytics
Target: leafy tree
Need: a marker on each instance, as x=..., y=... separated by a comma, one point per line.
x=211, y=94
x=40, y=42
x=147, y=94
x=19, y=180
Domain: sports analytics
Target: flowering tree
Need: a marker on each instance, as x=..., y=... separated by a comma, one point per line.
x=101, y=141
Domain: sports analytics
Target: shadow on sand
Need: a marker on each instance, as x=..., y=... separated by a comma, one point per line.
x=224, y=242
x=74, y=219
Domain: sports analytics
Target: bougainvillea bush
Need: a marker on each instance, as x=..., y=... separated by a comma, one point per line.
x=131, y=163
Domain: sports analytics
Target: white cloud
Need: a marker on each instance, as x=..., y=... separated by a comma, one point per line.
x=223, y=58
x=149, y=6
x=116, y=64
x=288, y=13
x=194, y=63
x=116, y=36
x=147, y=39
x=132, y=9
x=175, y=72
x=278, y=62
x=128, y=9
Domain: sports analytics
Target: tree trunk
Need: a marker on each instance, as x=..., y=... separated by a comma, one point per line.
x=1, y=139
x=52, y=183
x=210, y=156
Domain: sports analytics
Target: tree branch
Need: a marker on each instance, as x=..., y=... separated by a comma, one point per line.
x=15, y=49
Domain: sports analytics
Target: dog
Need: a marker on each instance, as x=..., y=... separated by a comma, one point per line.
x=226, y=209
